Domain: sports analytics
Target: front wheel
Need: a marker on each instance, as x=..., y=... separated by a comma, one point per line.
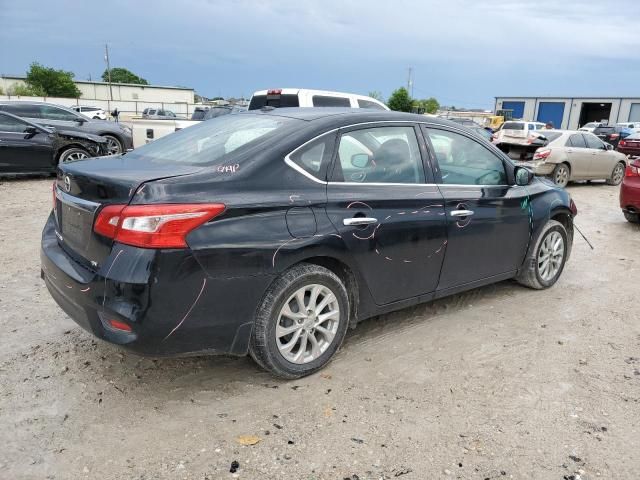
x=73, y=155
x=114, y=146
x=546, y=257
x=561, y=175
x=301, y=322
x=617, y=175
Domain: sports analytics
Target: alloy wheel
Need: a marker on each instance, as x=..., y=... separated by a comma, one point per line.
x=561, y=176
x=550, y=256
x=307, y=323
x=113, y=145
x=74, y=155
x=618, y=174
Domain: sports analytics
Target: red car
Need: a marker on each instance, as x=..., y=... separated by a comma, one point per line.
x=630, y=192
x=630, y=145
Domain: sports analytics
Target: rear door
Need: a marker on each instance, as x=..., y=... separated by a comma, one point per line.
x=21, y=151
x=579, y=156
x=389, y=215
x=487, y=218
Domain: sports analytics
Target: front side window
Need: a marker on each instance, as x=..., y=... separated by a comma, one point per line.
x=12, y=125
x=594, y=142
x=369, y=104
x=576, y=140
x=327, y=101
x=379, y=155
x=463, y=161
x=54, y=113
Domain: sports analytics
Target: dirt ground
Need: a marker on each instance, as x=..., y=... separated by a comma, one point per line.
x=499, y=382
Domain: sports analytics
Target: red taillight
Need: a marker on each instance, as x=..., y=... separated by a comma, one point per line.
x=613, y=136
x=154, y=226
x=274, y=91
x=622, y=143
x=118, y=325
x=573, y=207
x=541, y=154
x=632, y=170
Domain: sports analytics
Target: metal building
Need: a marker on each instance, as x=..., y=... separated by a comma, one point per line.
x=572, y=112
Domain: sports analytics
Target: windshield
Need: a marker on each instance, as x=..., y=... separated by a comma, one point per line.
x=513, y=126
x=208, y=142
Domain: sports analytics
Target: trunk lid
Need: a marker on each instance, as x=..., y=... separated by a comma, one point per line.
x=84, y=187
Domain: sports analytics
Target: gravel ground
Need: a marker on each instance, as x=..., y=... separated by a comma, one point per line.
x=499, y=382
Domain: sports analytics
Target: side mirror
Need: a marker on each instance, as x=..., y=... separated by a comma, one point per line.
x=80, y=120
x=609, y=146
x=360, y=160
x=524, y=176
x=31, y=130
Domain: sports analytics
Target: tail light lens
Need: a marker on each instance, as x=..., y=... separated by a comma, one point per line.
x=573, y=207
x=613, y=136
x=622, y=143
x=274, y=91
x=154, y=226
x=541, y=154
x=633, y=170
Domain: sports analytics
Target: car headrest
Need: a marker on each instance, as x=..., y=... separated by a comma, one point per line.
x=393, y=152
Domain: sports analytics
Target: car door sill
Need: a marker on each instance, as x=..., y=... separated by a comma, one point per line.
x=475, y=284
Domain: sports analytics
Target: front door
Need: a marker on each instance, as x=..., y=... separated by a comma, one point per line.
x=602, y=160
x=487, y=219
x=389, y=218
x=22, y=151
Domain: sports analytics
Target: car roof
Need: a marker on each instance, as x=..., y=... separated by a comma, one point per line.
x=348, y=116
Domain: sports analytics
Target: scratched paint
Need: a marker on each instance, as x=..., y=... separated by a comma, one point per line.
x=104, y=297
x=204, y=284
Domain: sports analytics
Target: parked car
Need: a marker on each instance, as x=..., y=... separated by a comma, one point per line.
x=590, y=127
x=199, y=113
x=158, y=114
x=630, y=145
x=630, y=192
x=519, y=139
x=271, y=232
x=467, y=122
x=300, y=97
x=27, y=148
x=574, y=155
x=611, y=134
x=634, y=126
x=118, y=136
x=92, y=112
x=483, y=132
x=215, y=112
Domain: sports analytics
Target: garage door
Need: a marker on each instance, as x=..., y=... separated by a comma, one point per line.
x=517, y=107
x=634, y=114
x=551, y=112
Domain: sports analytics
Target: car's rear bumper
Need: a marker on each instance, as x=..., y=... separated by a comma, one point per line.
x=164, y=296
x=630, y=195
x=539, y=168
x=632, y=152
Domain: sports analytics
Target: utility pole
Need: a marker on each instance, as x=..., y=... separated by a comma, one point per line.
x=410, y=82
x=106, y=59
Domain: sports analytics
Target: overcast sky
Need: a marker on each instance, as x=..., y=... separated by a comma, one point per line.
x=463, y=52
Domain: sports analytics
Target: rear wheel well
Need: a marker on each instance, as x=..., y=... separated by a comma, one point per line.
x=348, y=278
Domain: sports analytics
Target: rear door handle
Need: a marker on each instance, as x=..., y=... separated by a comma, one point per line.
x=461, y=213
x=355, y=221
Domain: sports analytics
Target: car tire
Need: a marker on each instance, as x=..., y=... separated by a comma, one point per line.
x=561, y=175
x=291, y=355
x=533, y=273
x=72, y=155
x=632, y=217
x=617, y=174
x=114, y=145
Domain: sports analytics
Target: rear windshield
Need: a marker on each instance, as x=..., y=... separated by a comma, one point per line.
x=551, y=136
x=276, y=101
x=633, y=136
x=210, y=142
x=604, y=130
x=513, y=126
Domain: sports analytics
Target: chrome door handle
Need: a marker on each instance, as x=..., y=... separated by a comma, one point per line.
x=355, y=221
x=461, y=213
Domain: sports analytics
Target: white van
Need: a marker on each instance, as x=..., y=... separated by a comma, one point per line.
x=300, y=97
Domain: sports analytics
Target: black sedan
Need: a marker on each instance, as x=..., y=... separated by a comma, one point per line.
x=27, y=148
x=272, y=232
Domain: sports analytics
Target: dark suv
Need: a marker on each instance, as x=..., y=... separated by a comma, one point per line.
x=118, y=137
x=611, y=134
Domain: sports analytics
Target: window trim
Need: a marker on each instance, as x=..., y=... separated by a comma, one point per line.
x=429, y=153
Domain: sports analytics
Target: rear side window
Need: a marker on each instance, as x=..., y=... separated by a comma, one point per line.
x=327, y=101
x=463, y=161
x=314, y=157
x=576, y=140
x=513, y=126
x=369, y=104
x=22, y=110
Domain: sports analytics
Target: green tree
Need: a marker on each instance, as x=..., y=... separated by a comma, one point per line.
x=429, y=105
x=21, y=90
x=49, y=82
x=377, y=95
x=122, y=75
x=400, y=100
